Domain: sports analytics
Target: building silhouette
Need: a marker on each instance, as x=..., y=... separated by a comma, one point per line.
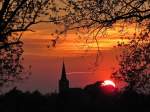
x=63, y=82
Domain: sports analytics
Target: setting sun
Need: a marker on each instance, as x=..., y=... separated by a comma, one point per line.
x=108, y=82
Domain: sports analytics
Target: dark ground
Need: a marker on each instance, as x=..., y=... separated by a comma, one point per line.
x=89, y=99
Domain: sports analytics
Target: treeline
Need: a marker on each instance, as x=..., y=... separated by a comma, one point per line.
x=89, y=99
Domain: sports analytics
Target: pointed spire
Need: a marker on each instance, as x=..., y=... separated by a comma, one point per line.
x=63, y=82
x=63, y=72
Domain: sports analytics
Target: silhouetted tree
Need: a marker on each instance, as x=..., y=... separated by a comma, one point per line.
x=95, y=16
x=135, y=64
x=89, y=99
x=11, y=67
x=16, y=16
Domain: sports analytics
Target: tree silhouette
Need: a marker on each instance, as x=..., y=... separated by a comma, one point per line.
x=11, y=67
x=97, y=15
x=16, y=16
x=135, y=64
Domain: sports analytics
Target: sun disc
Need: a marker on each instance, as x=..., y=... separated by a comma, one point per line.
x=108, y=82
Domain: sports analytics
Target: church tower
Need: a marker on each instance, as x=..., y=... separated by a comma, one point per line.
x=63, y=82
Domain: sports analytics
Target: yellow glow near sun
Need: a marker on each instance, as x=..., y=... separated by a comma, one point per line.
x=108, y=82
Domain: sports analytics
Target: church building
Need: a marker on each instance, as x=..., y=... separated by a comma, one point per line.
x=63, y=82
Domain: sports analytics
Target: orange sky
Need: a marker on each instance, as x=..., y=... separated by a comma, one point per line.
x=71, y=44
x=79, y=59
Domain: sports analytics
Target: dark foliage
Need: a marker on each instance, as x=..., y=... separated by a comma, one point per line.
x=135, y=63
x=11, y=65
x=89, y=99
x=92, y=16
x=17, y=16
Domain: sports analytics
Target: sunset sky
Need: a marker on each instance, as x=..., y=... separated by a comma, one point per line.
x=74, y=55
x=79, y=59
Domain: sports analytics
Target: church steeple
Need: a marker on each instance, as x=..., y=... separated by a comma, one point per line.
x=63, y=82
x=63, y=73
